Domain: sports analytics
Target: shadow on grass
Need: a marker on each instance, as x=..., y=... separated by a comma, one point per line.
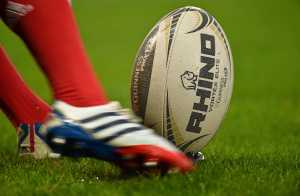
x=89, y=171
x=79, y=170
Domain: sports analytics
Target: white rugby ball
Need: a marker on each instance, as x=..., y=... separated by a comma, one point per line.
x=183, y=78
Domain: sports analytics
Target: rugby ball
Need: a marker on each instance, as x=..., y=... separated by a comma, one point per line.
x=182, y=78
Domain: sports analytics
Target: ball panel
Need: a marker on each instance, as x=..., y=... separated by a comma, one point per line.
x=206, y=78
x=155, y=109
x=142, y=72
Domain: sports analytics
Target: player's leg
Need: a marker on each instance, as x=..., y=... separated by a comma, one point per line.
x=21, y=105
x=49, y=30
x=83, y=123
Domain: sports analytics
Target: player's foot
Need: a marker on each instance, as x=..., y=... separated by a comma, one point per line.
x=108, y=133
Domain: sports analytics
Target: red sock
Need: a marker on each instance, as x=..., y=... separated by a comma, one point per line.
x=48, y=28
x=16, y=99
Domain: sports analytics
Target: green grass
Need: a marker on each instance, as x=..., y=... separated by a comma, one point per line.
x=257, y=150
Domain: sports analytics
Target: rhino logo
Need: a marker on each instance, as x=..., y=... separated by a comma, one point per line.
x=188, y=80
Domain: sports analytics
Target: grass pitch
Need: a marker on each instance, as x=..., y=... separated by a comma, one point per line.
x=257, y=150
